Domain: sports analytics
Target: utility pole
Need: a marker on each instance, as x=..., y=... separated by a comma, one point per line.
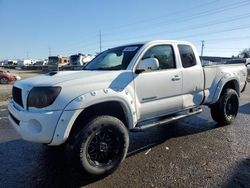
x=202, y=47
x=100, y=41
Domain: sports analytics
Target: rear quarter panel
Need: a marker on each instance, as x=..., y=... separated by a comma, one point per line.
x=218, y=75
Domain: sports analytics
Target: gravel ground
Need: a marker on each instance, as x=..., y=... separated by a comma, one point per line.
x=5, y=89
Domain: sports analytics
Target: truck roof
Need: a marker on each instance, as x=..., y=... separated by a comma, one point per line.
x=158, y=42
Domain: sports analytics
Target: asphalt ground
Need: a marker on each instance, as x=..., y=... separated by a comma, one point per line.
x=194, y=152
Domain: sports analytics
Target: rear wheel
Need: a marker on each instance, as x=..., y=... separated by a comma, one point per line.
x=101, y=145
x=226, y=109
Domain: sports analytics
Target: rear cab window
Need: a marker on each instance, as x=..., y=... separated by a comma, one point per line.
x=187, y=55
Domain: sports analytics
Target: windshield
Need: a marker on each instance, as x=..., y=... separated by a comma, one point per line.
x=52, y=60
x=114, y=59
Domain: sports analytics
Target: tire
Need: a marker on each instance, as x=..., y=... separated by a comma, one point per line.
x=214, y=112
x=226, y=109
x=4, y=80
x=101, y=145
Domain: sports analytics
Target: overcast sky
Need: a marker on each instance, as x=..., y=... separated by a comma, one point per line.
x=34, y=29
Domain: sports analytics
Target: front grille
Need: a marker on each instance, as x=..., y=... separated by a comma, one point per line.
x=17, y=95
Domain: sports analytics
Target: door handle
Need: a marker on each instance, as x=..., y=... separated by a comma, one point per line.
x=176, y=78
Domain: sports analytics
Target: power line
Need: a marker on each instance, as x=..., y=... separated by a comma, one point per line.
x=160, y=17
x=228, y=39
x=181, y=30
x=212, y=23
x=213, y=32
x=216, y=50
x=225, y=48
x=195, y=16
x=194, y=27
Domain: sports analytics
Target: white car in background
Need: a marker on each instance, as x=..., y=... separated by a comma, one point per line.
x=80, y=59
x=24, y=63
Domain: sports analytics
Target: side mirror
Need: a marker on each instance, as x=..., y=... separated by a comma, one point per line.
x=148, y=65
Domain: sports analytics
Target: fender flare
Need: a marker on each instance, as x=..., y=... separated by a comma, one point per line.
x=77, y=105
x=223, y=81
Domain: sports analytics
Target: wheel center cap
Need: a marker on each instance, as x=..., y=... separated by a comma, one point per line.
x=103, y=147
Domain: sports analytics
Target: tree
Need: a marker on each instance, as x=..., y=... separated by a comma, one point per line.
x=245, y=53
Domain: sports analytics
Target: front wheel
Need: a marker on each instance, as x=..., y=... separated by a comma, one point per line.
x=226, y=109
x=101, y=145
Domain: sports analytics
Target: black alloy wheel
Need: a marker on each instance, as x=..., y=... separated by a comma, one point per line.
x=101, y=145
x=104, y=147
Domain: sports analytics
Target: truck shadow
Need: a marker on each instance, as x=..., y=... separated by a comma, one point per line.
x=245, y=109
x=241, y=175
x=34, y=165
x=141, y=141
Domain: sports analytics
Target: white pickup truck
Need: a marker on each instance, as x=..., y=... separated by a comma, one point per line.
x=127, y=88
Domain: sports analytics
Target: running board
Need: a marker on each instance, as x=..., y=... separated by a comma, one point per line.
x=191, y=112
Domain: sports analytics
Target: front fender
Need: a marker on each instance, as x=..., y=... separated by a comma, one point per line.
x=76, y=106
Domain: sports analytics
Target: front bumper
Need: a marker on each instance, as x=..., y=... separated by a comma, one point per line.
x=32, y=126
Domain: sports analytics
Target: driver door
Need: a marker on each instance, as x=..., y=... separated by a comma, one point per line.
x=159, y=91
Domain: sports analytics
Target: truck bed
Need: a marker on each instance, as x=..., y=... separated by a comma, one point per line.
x=214, y=73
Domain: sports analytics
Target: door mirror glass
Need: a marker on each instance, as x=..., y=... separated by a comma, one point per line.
x=149, y=64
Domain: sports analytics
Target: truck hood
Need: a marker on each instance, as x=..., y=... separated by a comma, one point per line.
x=70, y=78
x=75, y=84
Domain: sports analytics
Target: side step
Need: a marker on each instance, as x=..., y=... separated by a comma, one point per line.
x=144, y=125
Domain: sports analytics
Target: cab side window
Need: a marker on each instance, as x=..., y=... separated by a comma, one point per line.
x=164, y=54
x=187, y=55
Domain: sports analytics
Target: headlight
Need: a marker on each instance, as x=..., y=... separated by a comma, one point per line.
x=41, y=97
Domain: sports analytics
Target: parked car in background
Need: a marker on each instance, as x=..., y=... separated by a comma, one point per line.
x=10, y=62
x=24, y=63
x=7, y=77
x=80, y=59
x=40, y=63
x=56, y=63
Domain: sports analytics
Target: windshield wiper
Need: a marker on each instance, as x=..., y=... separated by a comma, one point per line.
x=101, y=68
